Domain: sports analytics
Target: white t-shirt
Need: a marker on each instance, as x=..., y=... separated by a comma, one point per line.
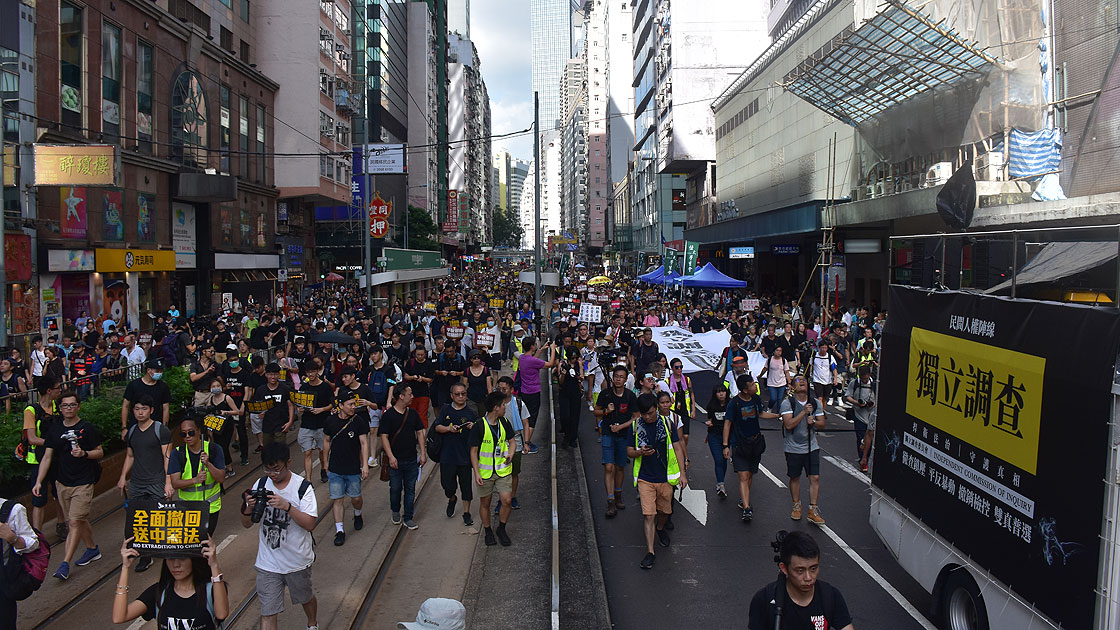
x=822, y=368
x=285, y=547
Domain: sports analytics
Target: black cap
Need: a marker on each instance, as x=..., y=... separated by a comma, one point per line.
x=155, y=363
x=273, y=368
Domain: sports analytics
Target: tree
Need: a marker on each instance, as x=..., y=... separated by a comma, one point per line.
x=507, y=230
x=421, y=229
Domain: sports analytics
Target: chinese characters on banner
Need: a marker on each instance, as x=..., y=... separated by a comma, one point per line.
x=590, y=313
x=484, y=340
x=145, y=217
x=379, y=211
x=303, y=400
x=691, y=257
x=167, y=528
x=497, y=303
x=112, y=214
x=464, y=212
x=214, y=423
x=451, y=221
x=73, y=224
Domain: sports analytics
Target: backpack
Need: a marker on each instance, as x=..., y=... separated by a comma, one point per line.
x=209, y=604
x=23, y=573
x=434, y=444
x=378, y=384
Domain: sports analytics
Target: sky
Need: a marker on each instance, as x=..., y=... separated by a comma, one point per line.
x=500, y=30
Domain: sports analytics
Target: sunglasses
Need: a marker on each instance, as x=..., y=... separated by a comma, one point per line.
x=187, y=434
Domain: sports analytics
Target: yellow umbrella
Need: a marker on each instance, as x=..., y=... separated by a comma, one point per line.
x=599, y=280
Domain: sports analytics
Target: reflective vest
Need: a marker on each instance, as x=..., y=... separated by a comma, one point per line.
x=490, y=455
x=517, y=346
x=862, y=358
x=673, y=471
x=757, y=387
x=33, y=452
x=209, y=490
x=687, y=410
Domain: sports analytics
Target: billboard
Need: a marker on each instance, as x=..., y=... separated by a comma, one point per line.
x=451, y=221
x=77, y=165
x=385, y=159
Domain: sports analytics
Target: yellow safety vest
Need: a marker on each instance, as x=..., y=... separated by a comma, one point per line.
x=687, y=411
x=516, y=359
x=673, y=471
x=490, y=455
x=209, y=490
x=757, y=387
x=32, y=458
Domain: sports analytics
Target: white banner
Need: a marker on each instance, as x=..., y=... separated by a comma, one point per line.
x=590, y=313
x=700, y=352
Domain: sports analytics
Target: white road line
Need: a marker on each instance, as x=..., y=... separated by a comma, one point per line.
x=878, y=579
x=847, y=467
x=225, y=543
x=766, y=471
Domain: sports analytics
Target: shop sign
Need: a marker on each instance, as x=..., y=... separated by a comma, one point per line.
x=451, y=221
x=17, y=257
x=379, y=211
x=77, y=165
x=385, y=159
x=740, y=252
x=70, y=260
x=399, y=259
x=122, y=260
x=785, y=250
x=183, y=235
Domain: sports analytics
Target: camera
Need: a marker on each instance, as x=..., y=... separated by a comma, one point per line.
x=261, y=496
x=608, y=358
x=776, y=545
x=72, y=437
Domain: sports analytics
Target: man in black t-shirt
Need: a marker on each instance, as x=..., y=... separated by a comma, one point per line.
x=150, y=383
x=315, y=399
x=616, y=409
x=347, y=447
x=273, y=402
x=807, y=603
x=420, y=372
x=402, y=438
x=455, y=421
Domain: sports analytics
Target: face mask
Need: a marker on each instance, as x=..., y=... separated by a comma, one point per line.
x=157, y=375
x=215, y=390
x=233, y=365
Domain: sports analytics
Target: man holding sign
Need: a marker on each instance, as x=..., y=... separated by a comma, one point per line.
x=148, y=447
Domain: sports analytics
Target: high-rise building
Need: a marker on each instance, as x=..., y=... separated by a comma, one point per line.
x=551, y=37
x=468, y=118
x=596, y=50
x=423, y=113
x=459, y=17
x=518, y=172
x=573, y=150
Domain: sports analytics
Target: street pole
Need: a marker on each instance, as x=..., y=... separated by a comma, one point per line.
x=537, y=205
x=365, y=198
x=3, y=231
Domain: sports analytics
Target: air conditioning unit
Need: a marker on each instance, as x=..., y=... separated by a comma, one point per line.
x=346, y=32
x=344, y=56
x=989, y=167
x=324, y=35
x=340, y=47
x=938, y=174
x=323, y=72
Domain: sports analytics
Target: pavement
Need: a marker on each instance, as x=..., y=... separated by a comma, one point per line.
x=716, y=562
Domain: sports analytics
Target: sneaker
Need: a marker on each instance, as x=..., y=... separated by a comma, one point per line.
x=533, y=449
x=144, y=564
x=467, y=519
x=244, y=461
x=395, y=518
x=647, y=562
x=323, y=478
x=612, y=509
x=451, y=507
x=371, y=461
x=411, y=524
x=515, y=504
x=618, y=501
x=490, y=540
x=503, y=537
x=63, y=572
x=89, y=556
x=662, y=538
x=359, y=522
x=339, y=538
x=747, y=515
x=815, y=515
x=721, y=492
x=741, y=506
x=375, y=463
x=258, y=449
x=863, y=467
x=796, y=513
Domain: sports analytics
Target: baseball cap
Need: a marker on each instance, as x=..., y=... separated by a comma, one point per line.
x=739, y=361
x=438, y=613
x=155, y=363
x=517, y=327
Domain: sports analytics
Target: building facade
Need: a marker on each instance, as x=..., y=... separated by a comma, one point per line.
x=573, y=151
x=469, y=139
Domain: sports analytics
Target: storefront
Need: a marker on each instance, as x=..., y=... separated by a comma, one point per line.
x=132, y=283
x=245, y=276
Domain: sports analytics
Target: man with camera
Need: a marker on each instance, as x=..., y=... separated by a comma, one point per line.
x=797, y=600
x=657, y=470
x=284, y=505
x=861, y=395
x=801, y=416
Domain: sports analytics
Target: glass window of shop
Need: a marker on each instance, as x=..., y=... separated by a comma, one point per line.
x=145, y=123
x=71, y=44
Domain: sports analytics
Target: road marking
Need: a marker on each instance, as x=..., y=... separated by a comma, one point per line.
x=225, y=543
x=766, y=471
x=878, y=579
x=847, y=467
x=696, y=502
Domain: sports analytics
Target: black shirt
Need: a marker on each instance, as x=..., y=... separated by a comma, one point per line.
x=405, y=445
x=235, y=384
x=319, y=395
x=346, y=445
x=816, y=616
x=159, y=391
x=361, y=392
x=416, y=368
x=624, y=408
x=275, y=404
x=455, y=451
x=768, y=346
x=69, y=470
x=203, y=384
x=177, y=612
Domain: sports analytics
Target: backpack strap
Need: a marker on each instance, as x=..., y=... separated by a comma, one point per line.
x=261, y=482
x=303, y=488
x=6, y=510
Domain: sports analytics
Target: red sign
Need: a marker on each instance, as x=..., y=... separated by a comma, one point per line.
x=451, y=221
x=17, y=257
x=379, y=211
x=615, y=304
x=677, y=244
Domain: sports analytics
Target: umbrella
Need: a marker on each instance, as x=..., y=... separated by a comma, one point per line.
x=334, y=336
x=599, y=280
x=334, y=277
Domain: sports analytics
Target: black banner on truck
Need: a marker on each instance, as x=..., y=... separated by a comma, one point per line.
x=993, y=430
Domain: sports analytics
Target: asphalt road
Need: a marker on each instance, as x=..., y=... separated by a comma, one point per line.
x=710, y=572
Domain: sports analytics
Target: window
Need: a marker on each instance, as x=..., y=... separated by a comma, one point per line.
x=223, y=130
x=225, y=38
x=189, y=121
x=244, y=51
x=227, y=3
x=325, y=166
x=144, y=85
x=243, y=10
x=111, y=81
x=243, y=134
x=326, y=125
x=339, y=167
x=260, y=144
x=70, y=34
x=326, y=83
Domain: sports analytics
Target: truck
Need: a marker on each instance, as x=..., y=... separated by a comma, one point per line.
x=996, y=468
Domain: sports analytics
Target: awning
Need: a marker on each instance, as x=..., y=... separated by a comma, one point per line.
x=1061, y=260
x=895, y=55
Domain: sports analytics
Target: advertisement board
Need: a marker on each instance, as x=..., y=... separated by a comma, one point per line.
x=740, y=252
x=77, y=165
x=451, y=221
x=385, y=159
x=975, y=436
x=183, y=235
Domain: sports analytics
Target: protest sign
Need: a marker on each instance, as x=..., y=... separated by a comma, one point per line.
x=166, y=529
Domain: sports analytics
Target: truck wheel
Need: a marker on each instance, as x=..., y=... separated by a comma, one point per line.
x=962, y=606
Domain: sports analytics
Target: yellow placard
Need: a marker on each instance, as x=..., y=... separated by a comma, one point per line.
x=497, y=303
x=76, y=165
x=117, y=260
x=303, y=400
x=214, y=423
x=987, y=396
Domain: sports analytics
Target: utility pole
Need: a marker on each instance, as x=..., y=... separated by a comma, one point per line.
x=365, y=197
x=537, y=207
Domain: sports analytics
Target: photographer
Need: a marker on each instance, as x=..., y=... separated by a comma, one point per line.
x=861, y=395
x=797, y=600
x=285, y=553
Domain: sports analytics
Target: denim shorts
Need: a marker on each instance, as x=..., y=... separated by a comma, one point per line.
x=344, y=485
x=614, y=449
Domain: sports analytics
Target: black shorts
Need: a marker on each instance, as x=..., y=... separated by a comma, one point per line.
x=822, y=390
x=810, y=463
x=747, y=454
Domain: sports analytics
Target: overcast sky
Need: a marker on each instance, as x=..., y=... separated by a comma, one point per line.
x=500, y=30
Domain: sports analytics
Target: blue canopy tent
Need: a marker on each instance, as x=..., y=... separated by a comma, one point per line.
x=669, y=278
x=653, y=277
x=708, y=277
